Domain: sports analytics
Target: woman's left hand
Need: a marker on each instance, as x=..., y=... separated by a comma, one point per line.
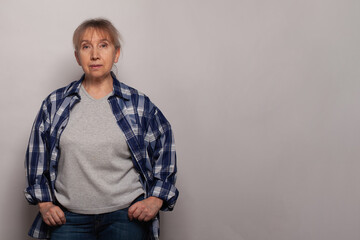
x=146, y=209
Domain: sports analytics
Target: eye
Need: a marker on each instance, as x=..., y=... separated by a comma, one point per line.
x=103, y=45
x=85, y=47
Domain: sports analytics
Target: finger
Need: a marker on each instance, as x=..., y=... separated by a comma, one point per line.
x=51, y=221
x=132, y=208
x=56, y=218
x=148, y=217
x=131, y=211
x=53, y=215
x=63, y=219
x=61, y=216
x=142, y=216
x=137, y=213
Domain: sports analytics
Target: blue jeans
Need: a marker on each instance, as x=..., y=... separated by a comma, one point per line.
x=107, y=226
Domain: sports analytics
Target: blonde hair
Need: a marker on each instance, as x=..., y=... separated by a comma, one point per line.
x=98, y=24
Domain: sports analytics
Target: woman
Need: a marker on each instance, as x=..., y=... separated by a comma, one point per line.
x=101, y=161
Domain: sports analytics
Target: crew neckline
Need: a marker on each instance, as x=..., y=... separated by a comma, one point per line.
x=82, y=89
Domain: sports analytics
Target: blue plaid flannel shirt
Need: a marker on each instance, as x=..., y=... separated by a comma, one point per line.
x=147, y=133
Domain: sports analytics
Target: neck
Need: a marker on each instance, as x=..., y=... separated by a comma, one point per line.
x=98, y=87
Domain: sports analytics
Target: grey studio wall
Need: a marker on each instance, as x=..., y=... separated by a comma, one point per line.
x=263, y=97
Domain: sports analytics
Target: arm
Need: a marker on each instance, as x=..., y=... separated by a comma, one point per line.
x=163, y=158
x=163, y=193
x=37, y=161
x=37, y=169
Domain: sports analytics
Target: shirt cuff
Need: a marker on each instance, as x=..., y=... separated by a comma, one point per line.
x=166, y=192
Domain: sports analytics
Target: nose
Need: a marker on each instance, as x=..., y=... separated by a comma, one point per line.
x=94, y=54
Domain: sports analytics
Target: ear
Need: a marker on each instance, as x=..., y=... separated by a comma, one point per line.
x=77, y=57
x=117, y=55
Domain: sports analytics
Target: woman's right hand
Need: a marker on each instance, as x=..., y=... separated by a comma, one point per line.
x=51, y=214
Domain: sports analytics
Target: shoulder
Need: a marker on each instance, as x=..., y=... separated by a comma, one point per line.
x=147, y=110
x=59, y=94
x=138, y=99
x=52, y=102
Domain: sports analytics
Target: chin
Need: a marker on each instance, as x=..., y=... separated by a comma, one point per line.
x=98, y=74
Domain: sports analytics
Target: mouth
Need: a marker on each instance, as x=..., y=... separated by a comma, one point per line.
x=95, y=66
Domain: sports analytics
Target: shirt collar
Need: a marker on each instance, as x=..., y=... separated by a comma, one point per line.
x=75, y=88
x=120, y=89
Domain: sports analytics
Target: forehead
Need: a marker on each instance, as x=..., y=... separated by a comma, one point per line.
x=92, y=34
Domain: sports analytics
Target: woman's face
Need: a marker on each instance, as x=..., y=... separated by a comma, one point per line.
x=96, y=54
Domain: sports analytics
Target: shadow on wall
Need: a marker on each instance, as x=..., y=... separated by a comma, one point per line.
x=29, y=213
x=16, y=215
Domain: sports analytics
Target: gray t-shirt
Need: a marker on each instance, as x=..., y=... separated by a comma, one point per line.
x=95, y=174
